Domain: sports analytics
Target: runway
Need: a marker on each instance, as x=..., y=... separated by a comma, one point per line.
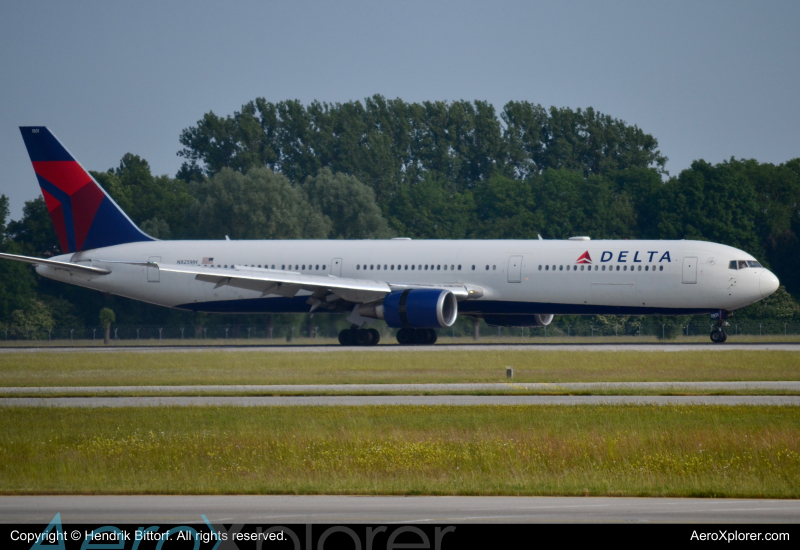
x=390, y=348
x=509, y=387
x=283, y=510
x=376, y=400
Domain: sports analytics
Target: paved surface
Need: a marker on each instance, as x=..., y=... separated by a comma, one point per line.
x=683, y=387
x=352, y=509
x=333, y=400
x=784, y=346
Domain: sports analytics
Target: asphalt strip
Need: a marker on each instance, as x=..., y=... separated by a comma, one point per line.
x=361, y=400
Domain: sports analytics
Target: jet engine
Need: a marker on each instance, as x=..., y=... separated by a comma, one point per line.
x=415, y=307
x=518, y=320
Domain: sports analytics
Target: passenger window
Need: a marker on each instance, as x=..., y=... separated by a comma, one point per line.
x=358, y=266
x=317, y=267
x=379, y=267
x=561, y=268
x=459, y=267
x=473, y=268
x=625, y=268
x=742, y=264
x=452, y=267
x=547, y=268
x=419, y=267
x=445, y=267
x=661, y=268
x=581, y=268
x=323, y=267
x=604, y=268
x=259, y=265
x=647, y=268
x=384, y=267
x=412, y=268
x=540, y=268
x=438, y=267
x=487, y=268
x=732, y=265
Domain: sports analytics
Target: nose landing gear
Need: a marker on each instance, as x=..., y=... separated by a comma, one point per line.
x=718, y=336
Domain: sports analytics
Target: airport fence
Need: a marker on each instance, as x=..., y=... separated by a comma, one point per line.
x=462, y=331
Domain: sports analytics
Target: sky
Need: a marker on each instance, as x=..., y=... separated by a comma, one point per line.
x=710, y=80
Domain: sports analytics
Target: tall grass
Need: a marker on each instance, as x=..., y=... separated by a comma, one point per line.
x=484, y=365
x=741, y=451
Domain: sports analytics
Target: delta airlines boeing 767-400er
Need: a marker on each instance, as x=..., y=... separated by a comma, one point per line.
x=417, y=286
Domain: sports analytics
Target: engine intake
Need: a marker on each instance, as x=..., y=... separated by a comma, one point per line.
x=415, y=307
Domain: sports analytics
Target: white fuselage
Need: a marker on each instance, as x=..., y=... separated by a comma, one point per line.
x=516, y=276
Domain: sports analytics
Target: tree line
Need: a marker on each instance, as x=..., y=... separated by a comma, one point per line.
x=445, y=170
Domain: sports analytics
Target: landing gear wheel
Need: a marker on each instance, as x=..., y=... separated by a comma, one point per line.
x=376, y=336
x=363, y=337
x=346, y=337
x=718, y=336
x=422, y=336
x=432, y=336
x=405, y=336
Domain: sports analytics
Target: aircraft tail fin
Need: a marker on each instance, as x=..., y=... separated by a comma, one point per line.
x=83, y=214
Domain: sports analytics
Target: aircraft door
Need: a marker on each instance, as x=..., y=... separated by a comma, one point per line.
x=515, y=269
x=690, y=270
x=153, y=274
x=336, y=267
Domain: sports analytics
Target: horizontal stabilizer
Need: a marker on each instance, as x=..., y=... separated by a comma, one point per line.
x=75, y=268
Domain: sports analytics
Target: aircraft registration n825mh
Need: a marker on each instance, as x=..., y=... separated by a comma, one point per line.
x=417, y=286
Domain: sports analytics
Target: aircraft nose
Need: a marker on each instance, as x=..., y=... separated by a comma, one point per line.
x=767, y=283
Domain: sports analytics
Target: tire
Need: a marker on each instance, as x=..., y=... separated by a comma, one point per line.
x=432, y=336
x=724, y=336
x=346, y=337
x=405, y=336
x=717, y=336
x=421, y=336
x=363, y=337
x=376, y=337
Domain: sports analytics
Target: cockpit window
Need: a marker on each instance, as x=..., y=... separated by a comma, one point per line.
x=732, y=265
x=742, y=264
x=753, y=264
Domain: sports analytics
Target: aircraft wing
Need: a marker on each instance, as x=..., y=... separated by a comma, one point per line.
x=285, y=283
x=67, y=266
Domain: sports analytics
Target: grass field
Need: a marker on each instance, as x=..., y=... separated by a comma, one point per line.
x=390, y=340
x=509, y=450
x=477, y=365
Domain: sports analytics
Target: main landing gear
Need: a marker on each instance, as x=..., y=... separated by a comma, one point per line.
x=418, y=336
x=359, y=337
x=718, y=335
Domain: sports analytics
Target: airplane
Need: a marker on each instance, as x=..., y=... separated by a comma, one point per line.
x=416, y=286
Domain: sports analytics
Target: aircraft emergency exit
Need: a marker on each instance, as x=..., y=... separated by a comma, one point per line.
x=417, y=286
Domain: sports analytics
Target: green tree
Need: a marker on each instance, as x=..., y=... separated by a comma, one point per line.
x=261, y=204
x=711, y=203
x=34, y=232
x=428, y=210
x=348, y=206
x=107, y=317
x=34, y=320
x=17, y=284
x=156, y=202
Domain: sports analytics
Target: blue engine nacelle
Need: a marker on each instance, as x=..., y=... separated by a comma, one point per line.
x=416, y=308
x=518, y=320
